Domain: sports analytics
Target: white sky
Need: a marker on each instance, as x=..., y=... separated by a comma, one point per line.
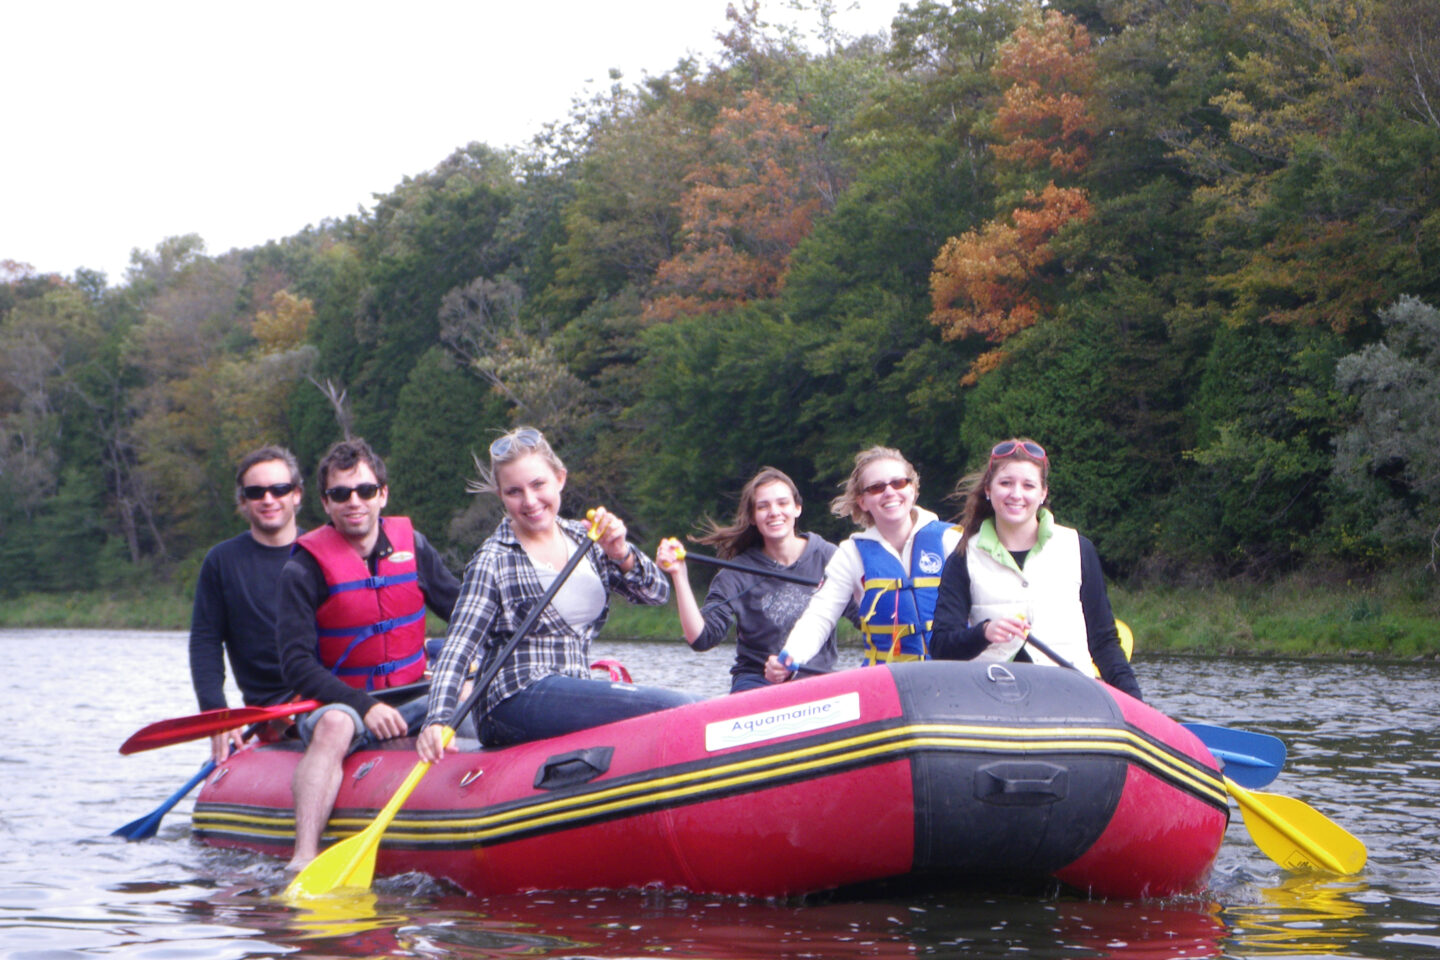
x=125, y=123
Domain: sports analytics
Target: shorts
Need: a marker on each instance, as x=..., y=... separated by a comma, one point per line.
x=412, y=710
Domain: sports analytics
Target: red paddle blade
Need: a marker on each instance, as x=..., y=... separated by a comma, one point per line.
x=162, y=733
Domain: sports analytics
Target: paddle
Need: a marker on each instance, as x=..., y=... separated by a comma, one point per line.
x=680, y=554
x=1291, y=832
x=164, y=733
x=144, y=828
x=1296, y=835
x=351, y=862
x=1127, y=639
x=1251, y=759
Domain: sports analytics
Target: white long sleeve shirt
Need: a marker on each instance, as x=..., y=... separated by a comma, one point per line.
x=845, y=581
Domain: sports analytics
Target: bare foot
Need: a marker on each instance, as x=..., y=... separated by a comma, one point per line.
x=298, y=864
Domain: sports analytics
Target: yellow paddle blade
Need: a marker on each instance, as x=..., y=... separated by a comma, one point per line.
x=1296, y=835
x=351, y=862
x=1127, y=639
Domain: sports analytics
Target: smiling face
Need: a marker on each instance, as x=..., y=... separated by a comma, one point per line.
x=271, y=518
x=1016, y=491
x=357, y=519
x=888, y=506
x=530, y=489
x=775, y=511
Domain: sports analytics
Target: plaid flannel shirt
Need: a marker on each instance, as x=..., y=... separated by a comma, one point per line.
x=500, y=587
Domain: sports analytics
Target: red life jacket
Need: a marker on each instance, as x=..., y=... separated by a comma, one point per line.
x=371, y=627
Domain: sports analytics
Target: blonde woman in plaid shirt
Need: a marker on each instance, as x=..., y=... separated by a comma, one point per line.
x=545, y=688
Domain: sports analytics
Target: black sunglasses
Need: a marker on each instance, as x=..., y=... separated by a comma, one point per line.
x=367, y=491
x=257, y=491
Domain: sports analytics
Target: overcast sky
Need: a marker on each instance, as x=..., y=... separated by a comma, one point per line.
x=129, y=122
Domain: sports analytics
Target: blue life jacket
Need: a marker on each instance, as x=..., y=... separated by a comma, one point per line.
x=897, y=610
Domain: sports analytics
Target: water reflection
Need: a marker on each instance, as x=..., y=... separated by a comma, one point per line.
x=1363, y=750
x=1299, y=916
x=408, y=916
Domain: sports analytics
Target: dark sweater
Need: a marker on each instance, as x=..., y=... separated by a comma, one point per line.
x=234, y=616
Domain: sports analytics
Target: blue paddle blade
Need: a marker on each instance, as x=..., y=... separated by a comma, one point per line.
x=145, y=827
x=1250, y=759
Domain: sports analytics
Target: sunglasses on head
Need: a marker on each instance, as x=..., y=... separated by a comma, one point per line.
x=367, y=491
x=1006, y=448
x=895, y=483
x=527, y=437
x=257, y=491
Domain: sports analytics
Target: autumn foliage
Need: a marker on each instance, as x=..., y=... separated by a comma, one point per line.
x=985, y=281
x=1044, y=119
x=743, y=212
x=988, y=281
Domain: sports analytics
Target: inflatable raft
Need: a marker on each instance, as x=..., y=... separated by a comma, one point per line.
x=942, y=772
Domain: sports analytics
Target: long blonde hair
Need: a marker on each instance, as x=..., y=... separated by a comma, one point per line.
x=847, y=504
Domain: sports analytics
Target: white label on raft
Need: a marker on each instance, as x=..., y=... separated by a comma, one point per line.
x=773, y=724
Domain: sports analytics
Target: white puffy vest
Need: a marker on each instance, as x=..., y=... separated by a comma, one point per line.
x=1046, y=594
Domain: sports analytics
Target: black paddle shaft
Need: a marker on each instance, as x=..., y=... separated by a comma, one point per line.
x=519, y=634
x=758, y=571
x=1043, y=648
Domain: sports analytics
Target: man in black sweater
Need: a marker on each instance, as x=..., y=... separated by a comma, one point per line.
x=234, y=612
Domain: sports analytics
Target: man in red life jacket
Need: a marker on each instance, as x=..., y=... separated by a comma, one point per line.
x=234, y=612
x=351, y=619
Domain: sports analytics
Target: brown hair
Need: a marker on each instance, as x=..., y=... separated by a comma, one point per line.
x=733, y=540
x=847, y=504
x=975, y=506
x=346, y=455
x=264, y=455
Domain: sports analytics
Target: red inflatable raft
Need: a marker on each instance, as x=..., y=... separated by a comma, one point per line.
x=946, y=772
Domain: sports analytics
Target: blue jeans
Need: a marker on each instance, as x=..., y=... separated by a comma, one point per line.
x=558, y=705
x=748, y=681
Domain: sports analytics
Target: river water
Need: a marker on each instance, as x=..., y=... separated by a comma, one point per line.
x=1364, y=751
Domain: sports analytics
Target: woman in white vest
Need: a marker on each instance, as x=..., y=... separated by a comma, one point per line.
x=1018, y=571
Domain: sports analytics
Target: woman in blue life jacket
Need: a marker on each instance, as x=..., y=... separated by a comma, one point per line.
x=891, y=567
x=762, y=608
x=1018, y=570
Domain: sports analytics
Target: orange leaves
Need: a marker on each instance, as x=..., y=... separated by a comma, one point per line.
x=743, y=212
x=988, y=282
x=1044, y=118
x=984, y=282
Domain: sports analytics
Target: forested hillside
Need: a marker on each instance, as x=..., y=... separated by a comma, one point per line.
x=1192, y=247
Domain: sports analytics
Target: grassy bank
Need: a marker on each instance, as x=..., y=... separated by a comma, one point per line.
x=1307, y=615
x=1393, y=617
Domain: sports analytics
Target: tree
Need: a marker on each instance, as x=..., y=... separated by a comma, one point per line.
x=1390, y=453
x=988, y=280
x=743, y=212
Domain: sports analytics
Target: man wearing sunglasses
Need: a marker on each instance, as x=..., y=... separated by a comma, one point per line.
x=351, y=622
x=234, y=611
